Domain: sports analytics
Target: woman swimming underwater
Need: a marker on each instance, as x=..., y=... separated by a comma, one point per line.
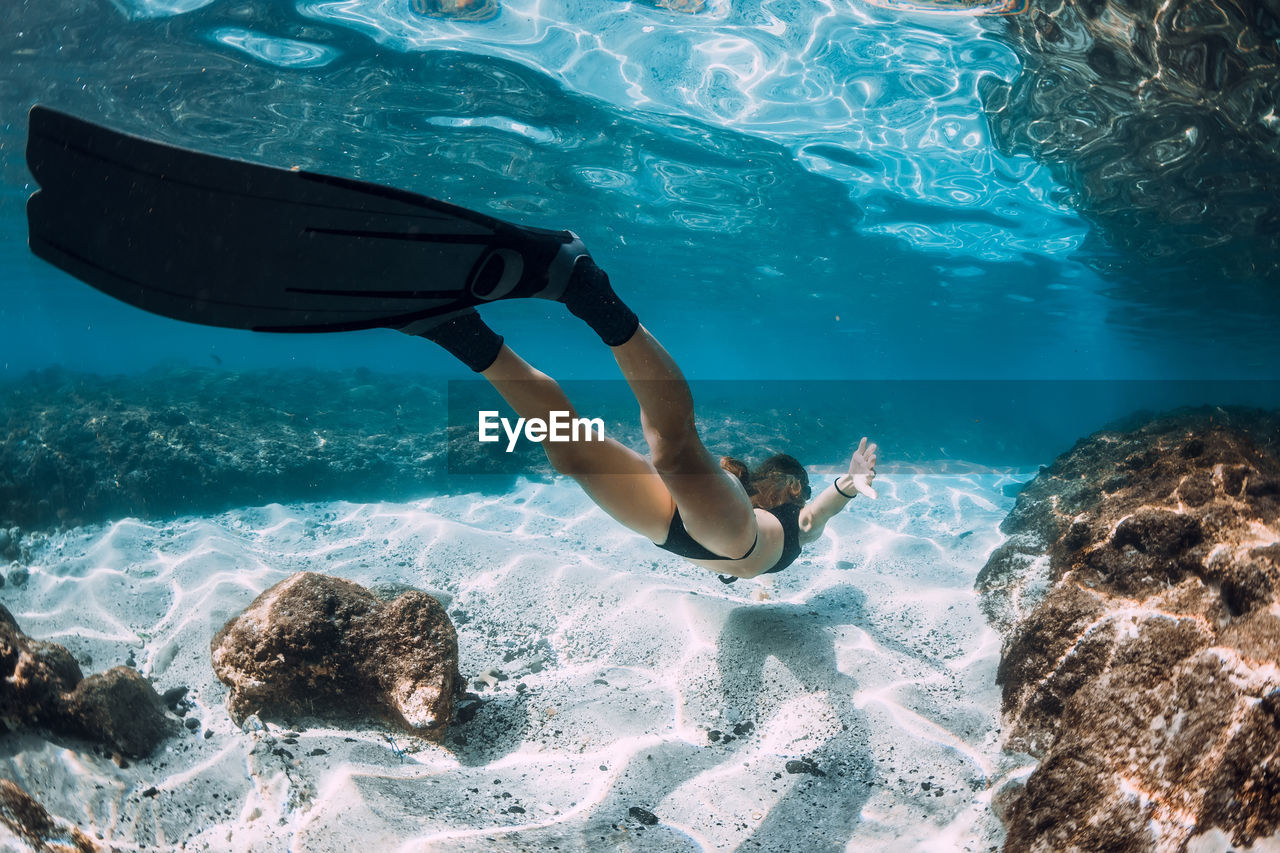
x=181, y=220
x=720, y=516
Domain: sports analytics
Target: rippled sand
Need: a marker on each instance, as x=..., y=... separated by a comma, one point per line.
x=849, y=701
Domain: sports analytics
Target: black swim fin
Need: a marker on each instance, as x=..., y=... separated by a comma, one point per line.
x=227, y=243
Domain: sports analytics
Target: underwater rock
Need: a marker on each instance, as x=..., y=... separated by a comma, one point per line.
x=1160, y=119
x=10, y=543
x=1139, y=596
x=121, y=708
x=30, y=821
x=319, y=644
x=42, y=685
x=36, y=676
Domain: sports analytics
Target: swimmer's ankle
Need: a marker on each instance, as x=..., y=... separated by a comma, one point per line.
x=464, y=336
x=590, y=297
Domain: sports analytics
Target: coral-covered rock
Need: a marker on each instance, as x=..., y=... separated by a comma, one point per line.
x=319, y=644
x=41, y=685
x=1137, y=592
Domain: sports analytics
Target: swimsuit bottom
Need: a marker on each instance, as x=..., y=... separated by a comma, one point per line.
x=679, y=541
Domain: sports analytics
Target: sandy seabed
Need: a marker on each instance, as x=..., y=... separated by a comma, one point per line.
x=630, y=700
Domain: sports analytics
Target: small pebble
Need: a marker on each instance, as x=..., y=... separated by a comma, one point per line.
x=191, y=723
x=809, y=767
x=645, y=816
x=466, y=710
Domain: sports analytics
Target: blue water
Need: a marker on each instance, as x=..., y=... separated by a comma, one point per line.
x=781, y=189
x=836, y=196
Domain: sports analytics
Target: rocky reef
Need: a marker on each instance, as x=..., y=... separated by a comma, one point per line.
x=82, y=448
x=42, y=686
x=1139, y=596
x=315, y=644
x=1160, y=120
x=79, y=448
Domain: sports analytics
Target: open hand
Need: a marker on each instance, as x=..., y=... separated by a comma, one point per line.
x=862, y=468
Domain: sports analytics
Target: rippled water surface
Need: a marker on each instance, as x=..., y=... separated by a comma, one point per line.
x=781, y=188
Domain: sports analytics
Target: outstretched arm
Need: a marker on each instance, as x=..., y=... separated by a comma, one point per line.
x=862, y=470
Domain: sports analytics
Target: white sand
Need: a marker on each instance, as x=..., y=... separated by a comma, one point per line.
x=627, y=673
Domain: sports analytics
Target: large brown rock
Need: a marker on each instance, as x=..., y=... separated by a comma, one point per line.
x=319, y=644
x=41, y=685
x=121, y=708
x=1139, y=595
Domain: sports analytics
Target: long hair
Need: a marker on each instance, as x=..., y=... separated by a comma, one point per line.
x=780, y=479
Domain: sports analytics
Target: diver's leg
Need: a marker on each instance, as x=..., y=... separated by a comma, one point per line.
x=620, y=481
x=713, y=505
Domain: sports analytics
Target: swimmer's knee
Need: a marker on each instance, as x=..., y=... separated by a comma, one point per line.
x=675, y=452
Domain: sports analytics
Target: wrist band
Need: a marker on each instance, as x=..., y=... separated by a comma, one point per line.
x=836, y=484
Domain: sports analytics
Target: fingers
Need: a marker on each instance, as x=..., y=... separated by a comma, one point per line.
x=867, y=451
x=861, y=483
x=864, y=457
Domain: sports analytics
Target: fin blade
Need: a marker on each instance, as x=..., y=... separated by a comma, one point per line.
x=223, y=242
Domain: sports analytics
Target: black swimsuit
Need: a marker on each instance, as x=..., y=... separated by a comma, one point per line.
x=679, y=541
